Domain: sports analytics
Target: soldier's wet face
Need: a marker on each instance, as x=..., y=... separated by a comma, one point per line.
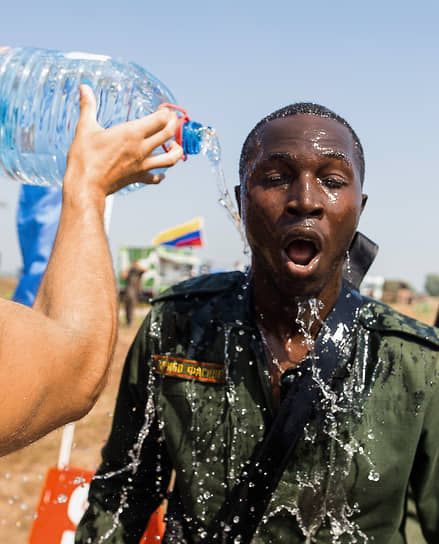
x=302, y=202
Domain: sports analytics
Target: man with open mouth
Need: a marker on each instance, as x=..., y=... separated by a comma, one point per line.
x=289, y=407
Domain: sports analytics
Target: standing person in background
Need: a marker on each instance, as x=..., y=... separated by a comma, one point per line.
x=54, y=357
x=132, y=289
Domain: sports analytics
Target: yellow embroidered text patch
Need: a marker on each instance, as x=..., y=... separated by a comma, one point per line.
x=189, y=370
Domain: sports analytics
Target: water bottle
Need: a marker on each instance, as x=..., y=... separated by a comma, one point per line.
x=39, y=107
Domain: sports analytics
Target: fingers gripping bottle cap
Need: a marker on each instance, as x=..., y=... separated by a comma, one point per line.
x=189, y=134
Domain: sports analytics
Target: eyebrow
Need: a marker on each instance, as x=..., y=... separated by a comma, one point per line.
x=278, y=155
x=339, y=156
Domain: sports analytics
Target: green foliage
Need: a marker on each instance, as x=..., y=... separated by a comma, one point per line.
x=432, y=284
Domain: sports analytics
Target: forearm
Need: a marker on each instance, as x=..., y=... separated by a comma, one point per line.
x=78, y=292
x=54, y=358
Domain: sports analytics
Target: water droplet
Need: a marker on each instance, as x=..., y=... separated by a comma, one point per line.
x=373, y=476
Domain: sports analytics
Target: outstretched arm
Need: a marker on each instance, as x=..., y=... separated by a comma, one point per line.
x=54, y=357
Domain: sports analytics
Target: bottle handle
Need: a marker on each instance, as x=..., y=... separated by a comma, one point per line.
x=182, y=120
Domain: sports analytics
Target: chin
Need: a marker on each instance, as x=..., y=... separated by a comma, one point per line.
x=302, y=288
x=315, y=284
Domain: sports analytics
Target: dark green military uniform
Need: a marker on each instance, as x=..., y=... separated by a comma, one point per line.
x=196, y=396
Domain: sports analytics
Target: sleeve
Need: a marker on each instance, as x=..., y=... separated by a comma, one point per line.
x=133, y=477
x=425, y=474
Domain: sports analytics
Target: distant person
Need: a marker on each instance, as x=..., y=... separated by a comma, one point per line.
x=291, y=408
x=54, y=357
x=132, y=289
x=240, y=266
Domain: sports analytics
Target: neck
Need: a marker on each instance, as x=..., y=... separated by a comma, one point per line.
x=289, y=322
x=288, y=315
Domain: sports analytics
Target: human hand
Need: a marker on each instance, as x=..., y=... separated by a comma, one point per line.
x=102, y=161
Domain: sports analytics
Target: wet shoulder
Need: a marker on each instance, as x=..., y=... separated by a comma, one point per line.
x=208, y=284
x=377, y=316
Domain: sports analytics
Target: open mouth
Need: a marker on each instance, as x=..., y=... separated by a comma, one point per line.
x=301, y=252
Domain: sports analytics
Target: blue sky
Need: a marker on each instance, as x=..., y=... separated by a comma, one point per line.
x=230, y=63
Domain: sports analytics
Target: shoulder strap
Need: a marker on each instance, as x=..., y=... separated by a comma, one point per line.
x=251, y=496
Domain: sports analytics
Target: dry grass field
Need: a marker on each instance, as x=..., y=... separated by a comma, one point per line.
x=22, y=473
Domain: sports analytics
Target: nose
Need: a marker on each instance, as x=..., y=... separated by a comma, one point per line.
x=304, y=198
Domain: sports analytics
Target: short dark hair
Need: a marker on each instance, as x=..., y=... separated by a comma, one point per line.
x=308, y=108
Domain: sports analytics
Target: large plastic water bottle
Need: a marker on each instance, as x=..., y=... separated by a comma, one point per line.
x=39, y=107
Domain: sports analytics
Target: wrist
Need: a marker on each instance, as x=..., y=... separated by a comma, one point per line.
x=80, y=195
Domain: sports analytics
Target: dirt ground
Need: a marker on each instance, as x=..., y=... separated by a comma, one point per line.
x=22, y=473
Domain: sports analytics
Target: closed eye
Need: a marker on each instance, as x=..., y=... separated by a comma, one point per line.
x=276, y=179
x=332, y=183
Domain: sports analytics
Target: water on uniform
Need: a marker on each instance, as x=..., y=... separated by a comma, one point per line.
x=135, y=451
x=321, y=484
x=321, y=499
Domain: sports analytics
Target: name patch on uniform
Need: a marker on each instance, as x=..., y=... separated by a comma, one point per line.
x=189, y=370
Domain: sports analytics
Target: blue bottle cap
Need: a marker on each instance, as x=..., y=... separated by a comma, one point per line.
x=192, y=136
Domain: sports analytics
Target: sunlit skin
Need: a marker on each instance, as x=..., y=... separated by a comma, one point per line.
x=302, y=205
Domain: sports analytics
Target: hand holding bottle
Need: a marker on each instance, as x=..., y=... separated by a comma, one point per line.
x=102, y=161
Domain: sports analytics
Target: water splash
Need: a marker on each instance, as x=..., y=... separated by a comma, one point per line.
x=135, y=452
x=348, y=267
x=308, y=313
x=210, y=147
x=332, y=196
x=322, y=500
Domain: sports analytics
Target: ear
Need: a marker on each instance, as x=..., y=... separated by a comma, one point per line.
x=363, y=201
x=238, y=197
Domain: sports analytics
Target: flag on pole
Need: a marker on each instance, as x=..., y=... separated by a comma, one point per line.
x=186, y=234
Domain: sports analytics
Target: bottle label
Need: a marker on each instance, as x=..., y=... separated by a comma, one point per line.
x=79, y=55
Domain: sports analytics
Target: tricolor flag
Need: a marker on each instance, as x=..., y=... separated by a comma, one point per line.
x=187, y=234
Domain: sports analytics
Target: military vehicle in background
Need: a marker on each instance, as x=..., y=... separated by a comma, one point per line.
x=164, y=266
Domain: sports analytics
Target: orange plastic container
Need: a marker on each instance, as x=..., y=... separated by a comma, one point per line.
x=63, y=502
